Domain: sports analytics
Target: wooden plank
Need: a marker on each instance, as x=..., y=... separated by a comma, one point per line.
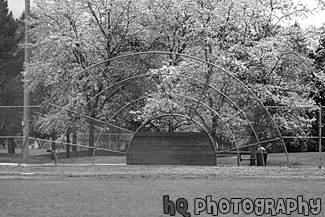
x=152, y=148
x=175, y=151
x=176, y=160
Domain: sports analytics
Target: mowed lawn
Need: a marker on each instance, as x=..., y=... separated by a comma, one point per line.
x=70, y=189
x=106, y=157
x=137, y=191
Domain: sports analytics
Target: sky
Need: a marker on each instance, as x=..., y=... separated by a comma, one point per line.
x=17, y=6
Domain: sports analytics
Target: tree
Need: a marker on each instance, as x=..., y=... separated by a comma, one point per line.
x=250, y=40
x=318, y=79
x=69, y=37
x=11, y=64
x=319, y=62
x=247, y=38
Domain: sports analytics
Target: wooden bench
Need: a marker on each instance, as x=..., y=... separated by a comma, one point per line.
x=239, y=155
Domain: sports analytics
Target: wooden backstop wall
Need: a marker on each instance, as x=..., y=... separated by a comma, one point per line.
x=164, y=148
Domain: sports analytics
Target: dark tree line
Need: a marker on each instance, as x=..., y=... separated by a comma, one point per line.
x=11, y=66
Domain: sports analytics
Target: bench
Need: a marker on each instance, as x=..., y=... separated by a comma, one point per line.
x=239, y=155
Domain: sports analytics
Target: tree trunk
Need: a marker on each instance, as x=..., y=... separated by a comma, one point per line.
x=67, y=152
x=170, y=126
x=74, y=141
x=11, y=146
x=91, y=137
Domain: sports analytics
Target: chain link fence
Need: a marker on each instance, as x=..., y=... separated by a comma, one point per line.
x=301, y=129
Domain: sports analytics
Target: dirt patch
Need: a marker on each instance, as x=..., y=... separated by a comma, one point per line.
x=161, y=172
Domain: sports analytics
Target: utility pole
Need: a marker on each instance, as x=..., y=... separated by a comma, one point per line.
x=25, y=150
x=320, y=125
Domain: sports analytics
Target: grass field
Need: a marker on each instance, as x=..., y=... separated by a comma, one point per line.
x=137, y=191
x=104, y=157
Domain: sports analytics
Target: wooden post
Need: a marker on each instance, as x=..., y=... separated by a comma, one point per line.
x=109, y=141
x=91, y=138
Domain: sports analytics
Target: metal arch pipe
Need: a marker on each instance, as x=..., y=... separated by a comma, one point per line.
x=250, y=145
x=170, y=53
x=143, y=53
x=179, y=95
x=153, y=74
x=112, y=80
x=94, y=119
x=183, y=76
x=229, y=119
x=176, y=115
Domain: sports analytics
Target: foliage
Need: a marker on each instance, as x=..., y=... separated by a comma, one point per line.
x=69, y=37
x=251, y=42
x=256, y=42
x=11, y=63
x=317, y=93
x=319, y=61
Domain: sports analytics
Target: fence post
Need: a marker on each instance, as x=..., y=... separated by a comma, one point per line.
x=320, y=137
x=109, y=141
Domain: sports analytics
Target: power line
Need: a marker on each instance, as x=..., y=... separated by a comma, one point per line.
x=20, y=106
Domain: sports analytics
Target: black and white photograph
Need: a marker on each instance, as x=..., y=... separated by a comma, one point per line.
x=138, y=108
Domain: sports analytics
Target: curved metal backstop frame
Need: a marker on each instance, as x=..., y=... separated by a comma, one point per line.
x=205, y=84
